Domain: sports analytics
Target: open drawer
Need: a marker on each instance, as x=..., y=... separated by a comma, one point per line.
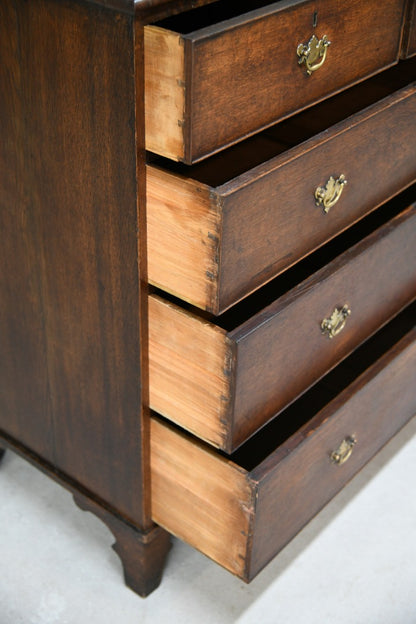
x=241, y=511
x=223, y=378
x=219, y=73
x=221, y=229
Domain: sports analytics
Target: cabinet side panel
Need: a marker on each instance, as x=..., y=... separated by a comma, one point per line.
x=24, y=411
x=77, y=64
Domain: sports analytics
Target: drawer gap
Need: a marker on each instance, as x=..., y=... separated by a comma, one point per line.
x=201, y=17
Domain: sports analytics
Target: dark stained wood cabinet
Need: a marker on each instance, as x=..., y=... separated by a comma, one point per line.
x=71, y=331
x=257, y=294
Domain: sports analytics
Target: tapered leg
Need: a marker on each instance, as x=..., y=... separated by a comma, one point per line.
x=142, y=553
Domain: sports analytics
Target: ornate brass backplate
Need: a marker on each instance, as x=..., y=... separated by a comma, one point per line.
x=336, y=322
x=344, y=450
x=313, y=54
x=328, y=195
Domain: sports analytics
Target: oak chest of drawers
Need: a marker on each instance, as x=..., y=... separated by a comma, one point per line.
x=208, y=221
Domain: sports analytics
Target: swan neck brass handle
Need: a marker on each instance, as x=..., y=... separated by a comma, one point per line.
x=313, y=54
x=333, y=325
x=328, y=195
x=343, y=452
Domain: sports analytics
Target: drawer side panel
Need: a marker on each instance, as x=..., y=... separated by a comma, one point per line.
x=183, y=232
x=202, y=499
x=190, y=371
x=164, y=92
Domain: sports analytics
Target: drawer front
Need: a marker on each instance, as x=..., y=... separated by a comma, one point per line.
x=213, y=246
x=215, y=85
x=241, y=518
x=224, y=385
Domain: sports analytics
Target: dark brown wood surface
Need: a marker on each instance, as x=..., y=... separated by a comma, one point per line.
x=281, y=350
x=25, y=410
x=254, y=58
x=300, y=478
x=409, y=35
x=69, y=300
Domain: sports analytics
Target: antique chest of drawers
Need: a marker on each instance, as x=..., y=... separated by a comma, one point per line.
x=208, y=220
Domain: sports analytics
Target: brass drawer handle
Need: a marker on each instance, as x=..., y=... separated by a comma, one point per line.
x=344, y=451
x=328, y=195
x=312, y=52
x=336, y=322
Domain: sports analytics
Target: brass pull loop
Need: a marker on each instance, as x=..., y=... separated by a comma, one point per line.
x=328, y=195
x=312, y=52
x=344, y=451
x=336, y=322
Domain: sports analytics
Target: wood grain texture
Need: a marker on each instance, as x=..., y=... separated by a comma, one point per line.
x=409, y=31
x=70, y=295
x=183, y=233
x=280, y=351
x=213, y=507
x=254, y=55
x=164, y=92
x=412, y=34
x=190, y=370
x=213, y=245
x=204, y=500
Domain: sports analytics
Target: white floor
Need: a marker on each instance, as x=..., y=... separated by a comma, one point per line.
x=354, y=564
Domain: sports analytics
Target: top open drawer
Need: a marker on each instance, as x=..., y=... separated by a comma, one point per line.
x=213, y=77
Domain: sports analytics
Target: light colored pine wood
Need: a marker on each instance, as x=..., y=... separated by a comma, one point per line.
x=201, y=497
x=164, y=92
x=183, y=233
x=190, y=370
